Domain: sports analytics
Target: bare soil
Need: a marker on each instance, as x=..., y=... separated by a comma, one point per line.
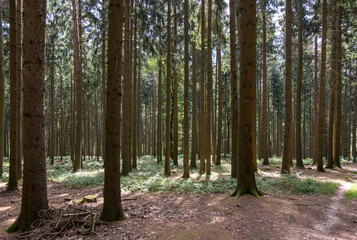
x=211, y=216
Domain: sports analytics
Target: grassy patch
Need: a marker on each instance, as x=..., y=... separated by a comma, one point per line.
x=352, y=193
x=295, y=185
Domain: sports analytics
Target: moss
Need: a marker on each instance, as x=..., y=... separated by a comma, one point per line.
x=252, y=191
x=16, y=227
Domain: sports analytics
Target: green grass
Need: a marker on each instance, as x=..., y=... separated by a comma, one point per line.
x=149, y=178
x=352, y=193
x=290, y=184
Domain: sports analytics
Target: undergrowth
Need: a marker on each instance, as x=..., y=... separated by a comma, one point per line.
x=149, y=178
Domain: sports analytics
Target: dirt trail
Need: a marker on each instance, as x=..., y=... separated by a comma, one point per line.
x=325, y=228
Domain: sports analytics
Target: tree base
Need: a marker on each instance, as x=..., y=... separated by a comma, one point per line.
x=252, y=191
x=17, y=227
x=112, y=218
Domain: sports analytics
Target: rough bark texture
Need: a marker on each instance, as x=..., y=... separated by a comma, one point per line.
x=126, y=131
x=194, y=108
x=321, y=120
x=247, y=89
x=12, y=184
x=186, y=138
x=234, y=87
x=34, y=191
x=78, y=87
x=333, y=78
x=209, y=94
x=288, y=147
x=265, y=94
x=202, y=94
x=338, y=83
x=299, y=163
x=168, y=90
x=112, y=208
x=135, y=108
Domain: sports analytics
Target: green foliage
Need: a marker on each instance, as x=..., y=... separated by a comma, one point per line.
x=295, y=185
x=352, y=193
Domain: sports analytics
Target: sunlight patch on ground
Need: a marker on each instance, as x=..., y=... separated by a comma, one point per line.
x=4, y=208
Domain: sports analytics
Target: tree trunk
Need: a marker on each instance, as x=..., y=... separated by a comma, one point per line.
x=52, y=107
x=12, y=184
x=104, y=92
x=288, y=147
x=247, y=91
x=2, y=98
x=333, y=79
x=126, y=133
x=159, y=115
x=220, y=104
x=168, y=90
x=135, y=108
x=175, y=97
x=209, y=94
x=186, y=139
x=316, y=105
x=78, y=87
x=34, y=191
x=338, y=83
x=112, y=208
x=299, y=162
x=321, y=120
x=194, y=108
x=265, y=93
x=234, y=88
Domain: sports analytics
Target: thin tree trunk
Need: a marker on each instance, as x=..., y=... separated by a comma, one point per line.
x=321, y=120
x=52, y=107
x=234, y=88
x=265, y=93
x=288, y=147
x=186, y=139
x=175, y=97
x=316, y=105
x=194, y=108
x=135, y=108
x=220, y=106
x=159, y=115
x=78, y=87
x=168, y=90
x=2, y=99
x=12, y=184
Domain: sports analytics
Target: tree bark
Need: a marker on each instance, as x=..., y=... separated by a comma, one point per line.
x=2, y=98
x=168, y=90
x=234, y=88
x=247, y=112
x=194, y=108
x=321, y=120
x=220, y=104
x=265, y=93
x=34, y=191
x=288, y=147
x=186, y=139
x=78, y=87
x=112, y=208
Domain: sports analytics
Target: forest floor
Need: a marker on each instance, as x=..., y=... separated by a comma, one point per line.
x=308, y=205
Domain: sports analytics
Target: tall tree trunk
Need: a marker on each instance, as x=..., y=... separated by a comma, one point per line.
x=159, y=115
x=12, y=184
x=168, y=90
x=321, y=120
x=2, y=98
x=126, y=133
x=194, y=108
x=112, y=208
x=247, y=112
x=209, y=94
x=333, y=78
x=186, y=139
x=299, y=162
x=135, y=83
x=265, y=93
x=288, y=147
x=175, y=97
x=78, y=87
x=220, y=104
x=316, y=105
x=52, y=107
x=104, y=92
x=234, y=88
x=338, y=81
x=34, y=191
x=96, y=121
x=202, y=94
x=19, y=84
x=153, y=122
